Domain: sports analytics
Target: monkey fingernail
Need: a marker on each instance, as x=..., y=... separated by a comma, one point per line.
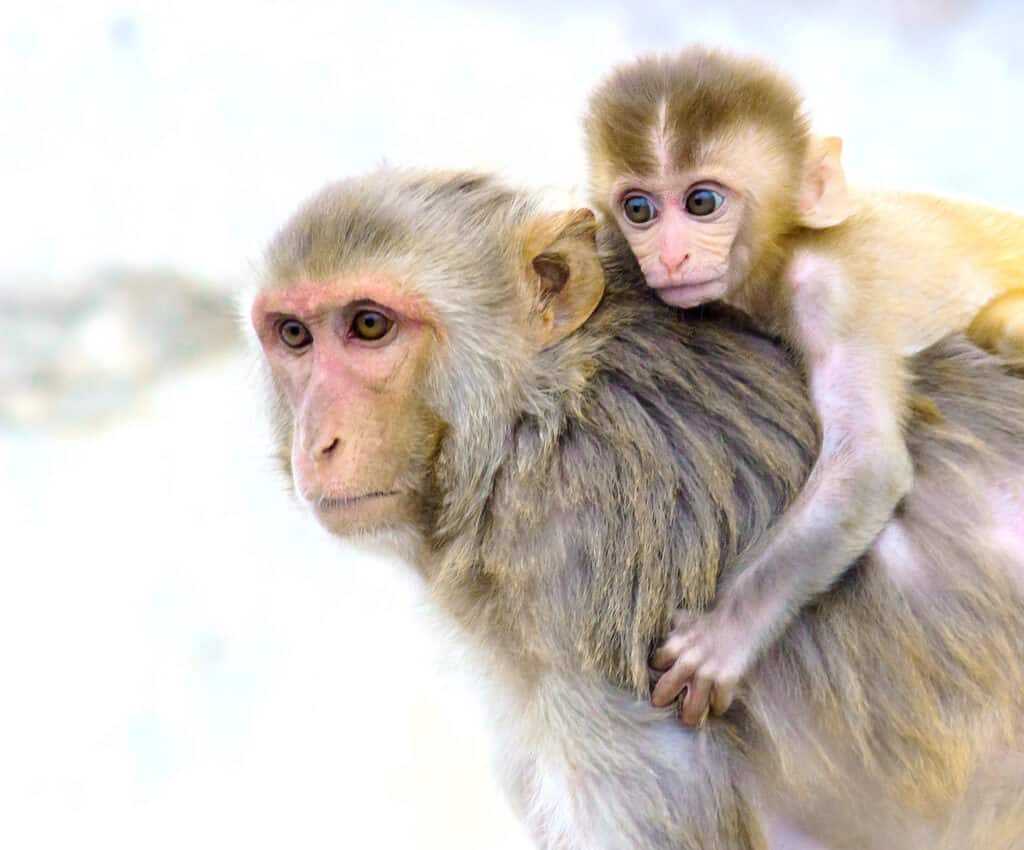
x=668, y=690
x=666, y=654
x=663, y=694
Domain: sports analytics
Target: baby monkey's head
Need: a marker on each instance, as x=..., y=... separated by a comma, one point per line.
x=705, y=161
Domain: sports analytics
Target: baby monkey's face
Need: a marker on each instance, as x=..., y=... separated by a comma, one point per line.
x=682, y=228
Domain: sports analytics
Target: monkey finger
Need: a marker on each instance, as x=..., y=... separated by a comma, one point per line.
x=703, y=718
x=722, y=696
x=697, y=702
x=666, y=654
x=670, y=684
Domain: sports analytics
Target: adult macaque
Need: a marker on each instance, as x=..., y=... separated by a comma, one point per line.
x=566, y=461
x=706, y=164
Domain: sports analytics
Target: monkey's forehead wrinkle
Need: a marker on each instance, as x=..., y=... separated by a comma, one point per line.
x=387, y=215
x=701, y=93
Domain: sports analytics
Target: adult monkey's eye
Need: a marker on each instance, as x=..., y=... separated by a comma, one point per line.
x=371, y=325
x=294, y=334
x=703, y=202
x=639, y=209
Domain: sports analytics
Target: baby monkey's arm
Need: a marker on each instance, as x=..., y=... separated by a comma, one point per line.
x=862, y=472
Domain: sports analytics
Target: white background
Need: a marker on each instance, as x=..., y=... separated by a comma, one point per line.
x=186, y=660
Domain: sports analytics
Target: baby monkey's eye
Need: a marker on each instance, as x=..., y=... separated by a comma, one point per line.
x=703, y=202
x=639, y=209
x=294, y=334
x=371, y=325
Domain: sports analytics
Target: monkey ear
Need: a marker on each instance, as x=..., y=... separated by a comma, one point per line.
x=824, y=200
x=563, y=265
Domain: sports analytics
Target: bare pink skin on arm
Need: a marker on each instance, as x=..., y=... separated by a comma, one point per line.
x=687, y=231
x=862, y=471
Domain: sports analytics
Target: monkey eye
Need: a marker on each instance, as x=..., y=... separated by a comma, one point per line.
x=701, y=202
x=371, y=325
x=294, y=334
x=639, y=209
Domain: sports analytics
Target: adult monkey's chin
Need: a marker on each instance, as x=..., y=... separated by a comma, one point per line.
x=365, y=513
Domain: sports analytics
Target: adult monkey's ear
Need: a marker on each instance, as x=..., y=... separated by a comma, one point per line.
x=562, y=264
x=824, y=199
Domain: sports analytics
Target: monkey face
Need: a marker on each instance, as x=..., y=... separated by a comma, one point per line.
x=682, y=229
x=346, y=357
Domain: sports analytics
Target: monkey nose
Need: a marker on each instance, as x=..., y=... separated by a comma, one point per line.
x=673, y=263
x=329, y=448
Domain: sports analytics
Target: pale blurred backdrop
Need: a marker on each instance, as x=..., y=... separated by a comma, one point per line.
x=187, y=661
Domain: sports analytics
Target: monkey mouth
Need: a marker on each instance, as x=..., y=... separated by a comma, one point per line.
x=683, y=283
x=327, y=504
x=690, y=294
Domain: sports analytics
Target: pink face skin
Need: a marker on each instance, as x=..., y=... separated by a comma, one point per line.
x=684, y=246
x=346, y=354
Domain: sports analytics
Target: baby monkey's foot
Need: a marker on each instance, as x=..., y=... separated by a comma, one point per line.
x=707, y=655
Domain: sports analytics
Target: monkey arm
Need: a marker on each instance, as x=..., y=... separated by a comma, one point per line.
x=862, y=472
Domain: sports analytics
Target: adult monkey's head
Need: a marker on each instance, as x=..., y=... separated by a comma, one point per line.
x=402, y=307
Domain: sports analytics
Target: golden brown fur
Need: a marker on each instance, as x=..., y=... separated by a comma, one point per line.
x=583, y=486
x=999, y=327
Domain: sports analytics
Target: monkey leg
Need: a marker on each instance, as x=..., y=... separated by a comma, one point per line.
x=999, y=327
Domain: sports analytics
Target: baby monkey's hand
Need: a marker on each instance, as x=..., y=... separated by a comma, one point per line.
x=706, y=655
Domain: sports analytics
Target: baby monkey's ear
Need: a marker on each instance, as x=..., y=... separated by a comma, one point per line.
x=565, y=272
x=824, y=200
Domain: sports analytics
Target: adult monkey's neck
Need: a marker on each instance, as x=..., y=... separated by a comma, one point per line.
x=673, y=444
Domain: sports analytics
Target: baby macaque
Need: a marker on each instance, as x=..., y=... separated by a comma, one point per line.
x=707, y=165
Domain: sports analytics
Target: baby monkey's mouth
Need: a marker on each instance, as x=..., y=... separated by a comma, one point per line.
x=679, y=281
x=691, y=294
